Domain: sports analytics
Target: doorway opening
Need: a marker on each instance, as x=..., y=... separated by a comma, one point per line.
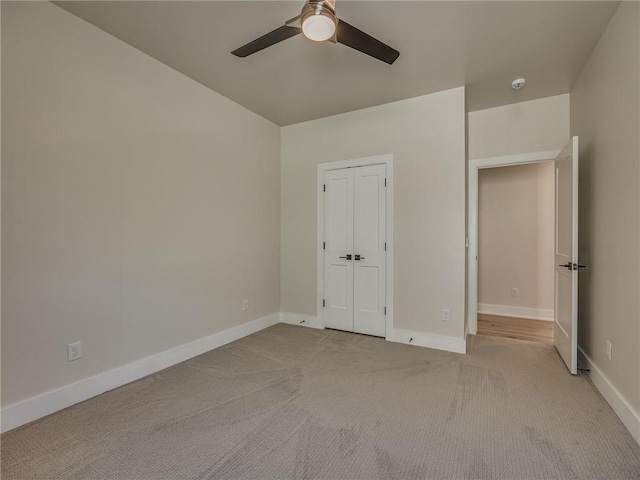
x=565, y=243
x=516, y=208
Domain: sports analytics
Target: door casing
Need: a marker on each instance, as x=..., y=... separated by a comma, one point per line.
x=472, y=225
x=386, y=159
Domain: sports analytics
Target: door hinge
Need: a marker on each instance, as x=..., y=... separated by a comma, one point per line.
x=323, y=245
x=324, y=187
x=323, y=303
x=385, y=310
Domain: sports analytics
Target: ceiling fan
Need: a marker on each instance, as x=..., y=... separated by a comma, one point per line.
x=318, y=21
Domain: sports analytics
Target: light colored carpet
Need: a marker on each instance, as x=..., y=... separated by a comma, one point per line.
x=292, y=402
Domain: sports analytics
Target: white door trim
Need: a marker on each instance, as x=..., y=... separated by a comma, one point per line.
x=387, y=160
x=472, y=228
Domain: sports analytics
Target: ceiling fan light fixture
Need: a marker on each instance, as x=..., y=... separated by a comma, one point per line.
x=318, y=22
x=318, y=26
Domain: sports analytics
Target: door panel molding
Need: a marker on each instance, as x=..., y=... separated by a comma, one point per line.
x=369, y=211
x=566, y=255
x=323, y=168
x=338, y=244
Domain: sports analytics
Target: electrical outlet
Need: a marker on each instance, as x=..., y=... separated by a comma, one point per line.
x=515, y=292
x=445, y=315
x=609, y=347
x=74, y=351
x=245, y=305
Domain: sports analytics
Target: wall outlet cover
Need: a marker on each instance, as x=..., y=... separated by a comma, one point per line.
x=74, y=351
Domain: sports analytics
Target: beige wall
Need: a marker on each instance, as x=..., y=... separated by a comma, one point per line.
x=533, y=126
x=139, y=208
x=515, y=241
x=605, y=114
x=426, y=135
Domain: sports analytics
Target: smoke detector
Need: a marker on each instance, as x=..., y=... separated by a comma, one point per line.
x=518, y=83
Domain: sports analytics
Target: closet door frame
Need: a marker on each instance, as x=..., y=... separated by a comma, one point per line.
x=387, y=160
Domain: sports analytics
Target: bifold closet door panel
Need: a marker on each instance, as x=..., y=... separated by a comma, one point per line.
x=369, y=236
x=338, y=234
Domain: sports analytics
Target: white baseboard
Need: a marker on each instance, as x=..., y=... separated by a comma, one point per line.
x=429, y=340
x=301, y=320
x=31, y=409
x=50, y=402
x=472, y=326
x=420, y=339
x=630, y=418
x=516, y=312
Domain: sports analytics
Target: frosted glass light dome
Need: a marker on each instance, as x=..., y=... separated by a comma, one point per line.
x=318, y=27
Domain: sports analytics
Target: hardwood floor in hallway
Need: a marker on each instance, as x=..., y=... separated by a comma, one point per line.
x=518, y=328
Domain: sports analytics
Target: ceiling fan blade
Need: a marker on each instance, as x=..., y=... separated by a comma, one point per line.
x=271, y=38
x=358, y=40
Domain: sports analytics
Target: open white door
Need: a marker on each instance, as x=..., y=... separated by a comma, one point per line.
x=566, y=255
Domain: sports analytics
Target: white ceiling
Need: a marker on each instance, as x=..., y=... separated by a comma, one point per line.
x=483, y=45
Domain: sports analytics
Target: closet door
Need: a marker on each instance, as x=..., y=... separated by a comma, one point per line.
x=338, y=249
x=369, y=261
